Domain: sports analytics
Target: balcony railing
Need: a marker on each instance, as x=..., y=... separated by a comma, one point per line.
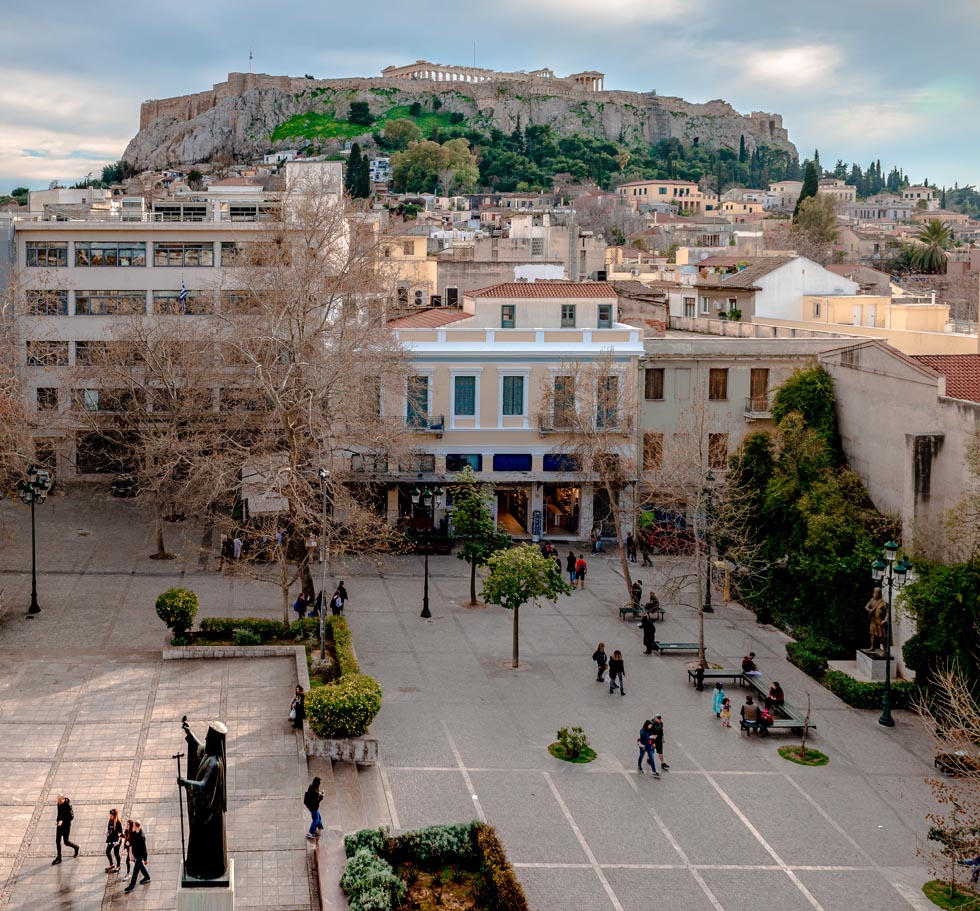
x=427, y=423
x=758, y=407
x=564, y=422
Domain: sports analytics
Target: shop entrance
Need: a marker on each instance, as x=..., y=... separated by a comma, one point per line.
x=512, y=503
x=562, y=507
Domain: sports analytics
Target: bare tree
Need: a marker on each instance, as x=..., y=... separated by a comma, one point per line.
x=16, y=438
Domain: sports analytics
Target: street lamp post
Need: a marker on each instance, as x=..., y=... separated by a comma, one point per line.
x=428, y=500
x=894, y=575
x=33, y=490
x=324, y=477
x=708, y=609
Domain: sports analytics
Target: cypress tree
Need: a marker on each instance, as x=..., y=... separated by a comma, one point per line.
x=353, y=171
x=810, y=186
x=741, y=148
x=363, y=189
x=942, y=199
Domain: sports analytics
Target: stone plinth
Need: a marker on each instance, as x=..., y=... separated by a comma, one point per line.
x=872, y=665
x=207, y=898
x=363, y=750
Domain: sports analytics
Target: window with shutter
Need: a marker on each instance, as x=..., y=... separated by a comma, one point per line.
x=464, y=398
x=513, y=395
x=718, y=384
x=653, y=383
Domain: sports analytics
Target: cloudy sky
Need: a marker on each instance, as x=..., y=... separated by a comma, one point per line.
x=862, y=79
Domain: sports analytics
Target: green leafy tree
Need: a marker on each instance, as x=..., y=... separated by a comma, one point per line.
x=360, y=113
x=415, y=109
x=811, y=184
x=423, y=165
x=177, y=607
x=934, y=239
x=195, y=179
x=399, y=133
x=19, y=192
x=518, y=576
x=474, y=524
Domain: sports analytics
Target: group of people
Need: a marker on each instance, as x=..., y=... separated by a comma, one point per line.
x=615, y=665
x=650, y=741
x=119, y=839
x=303, y=605
x=644, y=549
x=757, y=717
x=577, y=569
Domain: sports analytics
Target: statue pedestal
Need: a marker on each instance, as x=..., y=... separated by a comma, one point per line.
x=207, y=898
x=872, y=664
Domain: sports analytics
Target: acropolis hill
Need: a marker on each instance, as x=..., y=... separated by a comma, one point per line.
x=238, y=117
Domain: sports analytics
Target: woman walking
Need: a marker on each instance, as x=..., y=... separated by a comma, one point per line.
x=297, y=708
x=601, y=659
x=717, y=699
x=311, y=800
x=127, y=834
x=570, y=562
x=113, y=841
x=617, y=670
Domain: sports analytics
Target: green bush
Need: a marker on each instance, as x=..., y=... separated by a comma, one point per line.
x=247, y=637
x=371, y=883
x=345, y=708
x=435, y=846
x=573, y=741
x=808, y=662
x=228, y=627
x=177, y=607
x=372, y=840
x=506, y=891
x=863, y=695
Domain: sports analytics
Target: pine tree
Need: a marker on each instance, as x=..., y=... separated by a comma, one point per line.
x=352, y=174
x=741, y=148
x=810, y=186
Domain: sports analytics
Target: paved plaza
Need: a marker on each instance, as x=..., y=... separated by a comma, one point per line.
x=86, y=705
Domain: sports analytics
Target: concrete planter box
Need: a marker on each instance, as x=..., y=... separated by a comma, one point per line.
x=362, y=750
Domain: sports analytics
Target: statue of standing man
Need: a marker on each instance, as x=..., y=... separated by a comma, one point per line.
x=207, y=801
x=877, y=609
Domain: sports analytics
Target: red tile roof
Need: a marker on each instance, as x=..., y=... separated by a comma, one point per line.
x=546, y=290
x=962, y=372
x=428, y=319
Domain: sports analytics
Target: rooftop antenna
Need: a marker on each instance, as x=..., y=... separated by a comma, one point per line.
x=250, y=60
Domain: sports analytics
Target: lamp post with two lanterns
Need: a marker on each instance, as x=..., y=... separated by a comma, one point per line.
x=32, y=491
x=894, y=574
x=431, y=501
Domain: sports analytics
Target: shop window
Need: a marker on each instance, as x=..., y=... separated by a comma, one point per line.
x=561, y=461
x=457, y=462
x=512, y=462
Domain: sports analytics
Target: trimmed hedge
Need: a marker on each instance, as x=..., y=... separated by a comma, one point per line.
x=472, y=845
x=345, y=708
x=864, y=695
x=226, y=627
x=805, y=660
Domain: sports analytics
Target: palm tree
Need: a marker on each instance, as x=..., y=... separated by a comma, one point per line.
x=930, y=255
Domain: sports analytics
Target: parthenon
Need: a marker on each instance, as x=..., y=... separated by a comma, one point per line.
x=590, y=81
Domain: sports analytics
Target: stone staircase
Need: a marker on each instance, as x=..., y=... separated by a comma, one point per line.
x=353, y=798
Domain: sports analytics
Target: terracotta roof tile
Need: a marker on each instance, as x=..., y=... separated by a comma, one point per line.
x=428, y=319
x=548, y=290
x=962, y=372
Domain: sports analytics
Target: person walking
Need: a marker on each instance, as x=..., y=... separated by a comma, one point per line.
x=649, y=634
x=127, y=834
x=717, y=699
x=137, y=848
x=617, y=671
x=645, y=743
x=636, y=594
x=236, y=547
x=300, y=605
x=658, y=739
x=342, y=594
x=631, y=548
x=581, y=568
x=297, y=708
x=570, y=562
x=312, y=800
x=726, y=712
x=599, y=657
x=113, y=841
x=645, y=551
x=63, y=828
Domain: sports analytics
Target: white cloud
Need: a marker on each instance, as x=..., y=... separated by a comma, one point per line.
x=802, y=66
x=612, y=13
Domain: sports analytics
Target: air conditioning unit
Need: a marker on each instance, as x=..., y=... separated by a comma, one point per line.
x=419, y=299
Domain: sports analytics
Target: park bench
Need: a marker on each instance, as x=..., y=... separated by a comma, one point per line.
x=717, y=673
x=677, y=647
x=786, y=717
x=628, y=610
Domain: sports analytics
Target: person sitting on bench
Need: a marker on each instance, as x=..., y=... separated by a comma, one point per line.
x=750, y=714
x=749, y=667
x=775, y=698
x=653, y=603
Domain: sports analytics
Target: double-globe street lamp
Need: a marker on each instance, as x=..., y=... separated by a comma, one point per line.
x=324, y=476
x=894, y=574
x=708, y=490
x=32, y=491
x=431, y=500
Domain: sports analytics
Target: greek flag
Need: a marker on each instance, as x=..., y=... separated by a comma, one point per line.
x=183, y=297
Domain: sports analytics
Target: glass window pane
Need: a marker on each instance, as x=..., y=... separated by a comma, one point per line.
x=465, y=396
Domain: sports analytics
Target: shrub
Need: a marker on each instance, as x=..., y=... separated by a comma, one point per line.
x=808, y=662
x=229, y=627
x=247, y=637
x=365, y=840
x=573, y=741
x=506, y=891
x=345, y=708
x=177, y=607
x=435, y=846
x=371, y=883
x=863, y=695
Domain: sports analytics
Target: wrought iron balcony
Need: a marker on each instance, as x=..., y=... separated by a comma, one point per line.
x=758, y=407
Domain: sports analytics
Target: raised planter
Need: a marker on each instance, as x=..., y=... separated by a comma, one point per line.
x=362, y=750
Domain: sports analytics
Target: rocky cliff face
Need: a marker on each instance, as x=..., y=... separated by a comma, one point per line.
x=239, y=117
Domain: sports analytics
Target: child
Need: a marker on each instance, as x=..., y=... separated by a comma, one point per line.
x=718, y=698
x=599, y=657
x=726, y=711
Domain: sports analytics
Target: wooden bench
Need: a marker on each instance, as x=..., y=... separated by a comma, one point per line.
x=716, y=673
x=627, y=610
x=677, y=647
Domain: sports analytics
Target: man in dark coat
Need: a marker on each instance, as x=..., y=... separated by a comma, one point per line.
x=63, y=830
x=649, y=634
x=657, y=731
x=636, y=593
x=137, y=846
